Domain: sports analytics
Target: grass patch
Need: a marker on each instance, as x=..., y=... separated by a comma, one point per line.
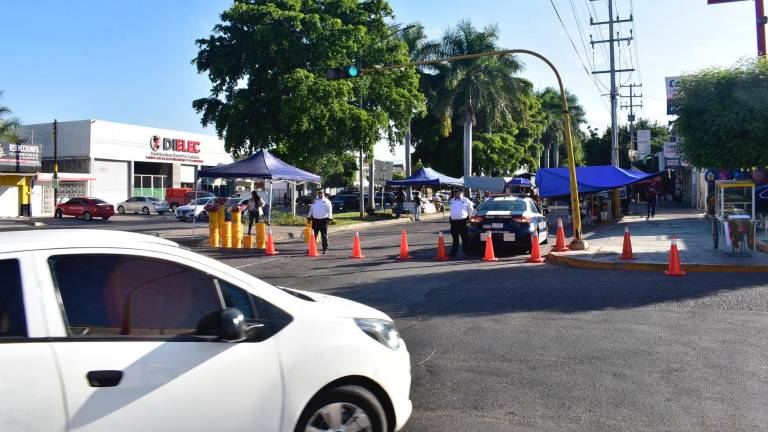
x=287, y=219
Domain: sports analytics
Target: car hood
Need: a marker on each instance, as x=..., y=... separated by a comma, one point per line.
x=338, y=306
x=191, y=207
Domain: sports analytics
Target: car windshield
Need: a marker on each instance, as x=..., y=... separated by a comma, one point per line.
x=503, y=205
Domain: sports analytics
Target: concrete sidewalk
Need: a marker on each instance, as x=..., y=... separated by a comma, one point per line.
x=651, y=240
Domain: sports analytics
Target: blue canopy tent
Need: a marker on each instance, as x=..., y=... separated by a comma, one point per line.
x=262, y=165
x=427, y=177
x=520, y=182
x=553, y=182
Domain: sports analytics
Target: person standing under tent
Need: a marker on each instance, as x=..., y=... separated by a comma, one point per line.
x=417, y=206
x=461, y=209
x=320, y=214
x=399, y=201
x=255, y=210
x=651, y=194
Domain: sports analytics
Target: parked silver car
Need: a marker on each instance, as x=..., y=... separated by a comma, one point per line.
x=144, y=205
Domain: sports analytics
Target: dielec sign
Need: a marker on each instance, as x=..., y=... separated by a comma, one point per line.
x=19, y=157
x=174, y=150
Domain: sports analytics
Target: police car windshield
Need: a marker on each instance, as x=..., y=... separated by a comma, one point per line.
x=515, y=205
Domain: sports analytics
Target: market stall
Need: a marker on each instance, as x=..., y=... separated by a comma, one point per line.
x=425, y=177
x=734, y=218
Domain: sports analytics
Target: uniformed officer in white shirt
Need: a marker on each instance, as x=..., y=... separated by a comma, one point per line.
x=320, y=214
x=461, y=208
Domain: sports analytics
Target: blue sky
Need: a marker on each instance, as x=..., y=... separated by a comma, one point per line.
x=129, y=61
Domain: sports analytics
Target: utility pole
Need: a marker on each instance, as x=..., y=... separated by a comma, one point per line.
x=55, y=163
x=613, y=38
x=631, y=106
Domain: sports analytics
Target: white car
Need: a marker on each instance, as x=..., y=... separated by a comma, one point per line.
x=194, y=209
x=149, y=336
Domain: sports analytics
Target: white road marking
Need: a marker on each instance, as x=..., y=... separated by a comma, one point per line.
x=257, y=262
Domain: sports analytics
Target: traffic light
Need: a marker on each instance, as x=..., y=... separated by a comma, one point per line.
x=343, y=73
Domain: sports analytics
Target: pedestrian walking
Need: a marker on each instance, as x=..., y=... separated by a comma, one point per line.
x=651, y=195
x=255, y=210
x=417, y=206
x=320, y=215
x=399, y=201
x=461, y=208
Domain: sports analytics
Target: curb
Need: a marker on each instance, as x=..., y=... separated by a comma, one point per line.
x=555, y=258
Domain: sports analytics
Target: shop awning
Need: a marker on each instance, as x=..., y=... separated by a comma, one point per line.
x=556, y=181
x=427, y=177
x=262, y=165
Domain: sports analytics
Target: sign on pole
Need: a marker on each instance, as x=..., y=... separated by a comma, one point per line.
x=382, y=171
x=672, y=89
x=643, y=143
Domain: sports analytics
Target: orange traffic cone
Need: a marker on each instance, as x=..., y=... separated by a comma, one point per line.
x=312, y=248
x=357, y=251
x=535, y=251
x=489, y=255
x=626, y=250
x=674, y=261
x=560, y=243
x=441, y=255
x=404, y=247
x=270, y=245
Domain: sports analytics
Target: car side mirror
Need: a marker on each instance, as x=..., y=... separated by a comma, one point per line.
x=228, y=325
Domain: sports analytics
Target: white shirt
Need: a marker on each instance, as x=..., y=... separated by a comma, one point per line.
x=461, y=208
x=321, y=209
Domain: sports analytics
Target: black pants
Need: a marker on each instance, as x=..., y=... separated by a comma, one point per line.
x=321, y=226
x=252, y=216
x=459, y=229
x=652, y=206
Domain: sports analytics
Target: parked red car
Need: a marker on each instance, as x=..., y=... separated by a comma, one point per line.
x=177, y=197
x=87, y=208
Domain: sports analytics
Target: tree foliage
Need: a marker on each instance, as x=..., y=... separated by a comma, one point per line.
x=597, y=148
x=723, y=116
x=552, y=138
x=267, y=60
x=9, y=126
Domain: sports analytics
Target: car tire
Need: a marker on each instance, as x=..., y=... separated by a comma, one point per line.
x=58, y=214
x=145, y=211
x=203, y=216
x=87, y=216
x=357, y=404
x=121, y=209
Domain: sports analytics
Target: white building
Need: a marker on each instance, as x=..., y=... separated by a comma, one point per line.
x=113, y=161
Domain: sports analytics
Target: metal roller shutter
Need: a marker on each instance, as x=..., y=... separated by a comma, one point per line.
x=9, y=201
x=111, y=183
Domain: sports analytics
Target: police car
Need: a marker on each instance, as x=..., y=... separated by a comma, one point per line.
x=509, y=220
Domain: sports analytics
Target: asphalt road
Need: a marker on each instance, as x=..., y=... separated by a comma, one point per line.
x=512, y=346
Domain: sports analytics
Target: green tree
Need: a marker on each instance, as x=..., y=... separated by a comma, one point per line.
x=552, y=137
x=9, y=126
x=597, y=148
x=723, y=116
x=484, y=89
x=267, y=60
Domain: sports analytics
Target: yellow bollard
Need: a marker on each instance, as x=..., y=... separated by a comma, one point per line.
x=307, y=230
x=261, y=235
x=226, y=236
x=237, y=230
x=213, y=239
x=222, y=213
x=248, y=242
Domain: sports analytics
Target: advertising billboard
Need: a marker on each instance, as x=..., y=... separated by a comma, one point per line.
x=20, y=158
x=672, y=89
x=643, y=143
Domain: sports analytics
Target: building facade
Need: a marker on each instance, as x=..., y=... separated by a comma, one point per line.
x=19, y=163
x=114, y=161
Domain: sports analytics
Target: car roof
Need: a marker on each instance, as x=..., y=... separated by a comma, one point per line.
x=508, y=198
x=16, y=241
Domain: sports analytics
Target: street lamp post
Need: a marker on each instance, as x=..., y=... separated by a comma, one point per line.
x=578, y=243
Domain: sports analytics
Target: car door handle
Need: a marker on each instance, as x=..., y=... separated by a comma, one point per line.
x=104, y=378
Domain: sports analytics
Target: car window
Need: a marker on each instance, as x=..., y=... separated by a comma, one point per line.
x=112, y=295
x=13, y=323
x=74, y=201
x=153, y=199
x=503, y=205
x=534, y=207
x=238, y=298
x=97, y=201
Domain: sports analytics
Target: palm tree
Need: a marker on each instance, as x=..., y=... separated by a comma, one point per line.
x=9, y=126
x=482, y=89
x=552, y=138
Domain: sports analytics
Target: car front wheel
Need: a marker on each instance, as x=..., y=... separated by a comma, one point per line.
x=346, y=408
x=203, y=216
x=145, y=210
x=87, y=216
x=121, y=209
